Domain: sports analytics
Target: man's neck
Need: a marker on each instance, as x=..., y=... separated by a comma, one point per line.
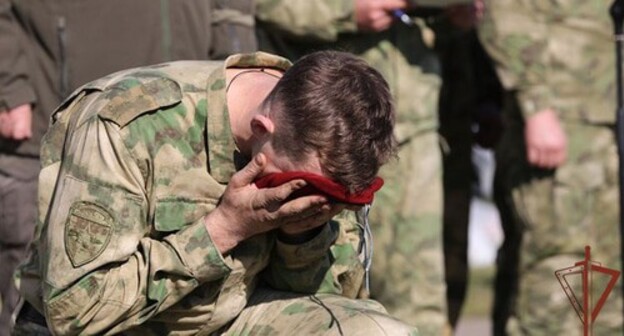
x=246, y=90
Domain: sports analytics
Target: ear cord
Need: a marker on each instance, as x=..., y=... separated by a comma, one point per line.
x=246, y=72
x=367, y=242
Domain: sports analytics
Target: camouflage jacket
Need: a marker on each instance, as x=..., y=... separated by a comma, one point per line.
x=131, y=165
x=401, y=54
x=555, y=54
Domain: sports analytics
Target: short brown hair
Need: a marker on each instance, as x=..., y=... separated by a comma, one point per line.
x=336, y=105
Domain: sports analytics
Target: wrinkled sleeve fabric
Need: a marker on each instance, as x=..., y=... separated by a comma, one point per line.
x=103, y=272
x=328, y=263
x=15, y=88
x=316, y=21
x=516, y=34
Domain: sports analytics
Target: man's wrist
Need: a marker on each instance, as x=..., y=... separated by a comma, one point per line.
x=223, y=239
x=299, y=238
x=297, y=256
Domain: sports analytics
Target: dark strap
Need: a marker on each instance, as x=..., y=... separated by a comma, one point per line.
x=29, y=314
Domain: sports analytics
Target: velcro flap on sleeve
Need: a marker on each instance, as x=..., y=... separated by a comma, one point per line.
x=196, y=248
x=132, y=96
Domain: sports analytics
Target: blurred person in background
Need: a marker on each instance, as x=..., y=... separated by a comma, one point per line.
x=49, y=48
x=469, y=112
x=557, y=160
x=406, y=219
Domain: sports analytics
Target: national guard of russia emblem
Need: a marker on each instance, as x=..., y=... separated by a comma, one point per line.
x=87, y=232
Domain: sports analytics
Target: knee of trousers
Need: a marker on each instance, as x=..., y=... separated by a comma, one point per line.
x=373, y=323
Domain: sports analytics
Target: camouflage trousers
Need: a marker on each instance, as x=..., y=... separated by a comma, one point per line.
x=271, y=312
x=559, y=212
x=278, y=313
x=406, y=220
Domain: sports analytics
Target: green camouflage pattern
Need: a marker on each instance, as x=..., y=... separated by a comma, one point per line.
x=345, y=262
x=559, y=213
x=546, y=51
x=406, y=218
x=560, y=55
x=304, y=314
x=324, y=20
x=132, y=164
x=408, y=266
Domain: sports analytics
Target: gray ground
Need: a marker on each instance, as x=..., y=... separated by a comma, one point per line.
x=474, y=326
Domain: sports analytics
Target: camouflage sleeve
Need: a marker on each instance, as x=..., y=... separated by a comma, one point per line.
x=516, y=34
x=320, y=20
x=15, y=89
x=104, y=269
x=329, y=263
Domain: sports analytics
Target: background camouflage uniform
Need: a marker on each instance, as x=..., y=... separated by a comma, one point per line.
x=131, y=165
x=559, y=55
x=406, y=218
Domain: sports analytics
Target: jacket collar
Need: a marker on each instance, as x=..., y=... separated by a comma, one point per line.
x=223, y=156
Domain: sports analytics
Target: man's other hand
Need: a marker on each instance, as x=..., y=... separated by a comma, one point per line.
x=16, y=124
x=546, y=143
x=376, y=15
x=466, y=16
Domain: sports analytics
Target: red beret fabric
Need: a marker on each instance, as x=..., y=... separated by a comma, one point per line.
x=321, y=185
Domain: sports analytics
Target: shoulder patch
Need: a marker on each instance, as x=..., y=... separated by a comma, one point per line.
x=87, y=232
x=133, y=96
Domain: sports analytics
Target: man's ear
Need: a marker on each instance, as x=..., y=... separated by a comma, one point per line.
x=262, y=125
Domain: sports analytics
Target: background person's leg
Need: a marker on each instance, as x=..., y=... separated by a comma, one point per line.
x=18, y=213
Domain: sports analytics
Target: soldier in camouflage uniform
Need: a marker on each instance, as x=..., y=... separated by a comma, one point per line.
x=558, y=155
x=149, y=229
x=408, y=268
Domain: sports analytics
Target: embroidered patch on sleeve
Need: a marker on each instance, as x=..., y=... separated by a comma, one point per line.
x=87, y=232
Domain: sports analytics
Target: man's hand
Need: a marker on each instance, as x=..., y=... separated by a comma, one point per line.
x=245, y=210
x=466, y=16
x=546, y=142
x=376, y=15
x=15, y=124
